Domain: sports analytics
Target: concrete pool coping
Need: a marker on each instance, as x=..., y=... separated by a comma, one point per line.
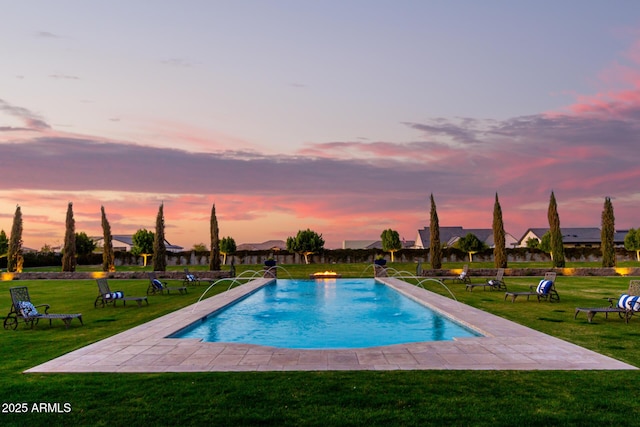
x=505, y=346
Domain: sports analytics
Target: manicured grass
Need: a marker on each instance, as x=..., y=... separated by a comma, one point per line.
x=321, y=398
x=349, y=268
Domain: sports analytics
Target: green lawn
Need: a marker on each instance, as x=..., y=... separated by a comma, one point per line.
x=320, y=398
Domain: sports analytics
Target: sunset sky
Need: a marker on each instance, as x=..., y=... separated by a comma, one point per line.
x=339, y=116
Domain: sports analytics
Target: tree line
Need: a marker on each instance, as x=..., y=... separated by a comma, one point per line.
x=307, y=242
x=551, y=242
x=146, y=243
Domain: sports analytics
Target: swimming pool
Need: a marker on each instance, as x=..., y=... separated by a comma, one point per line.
x=325, y=314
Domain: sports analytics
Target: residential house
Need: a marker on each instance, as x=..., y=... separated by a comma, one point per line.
x=269, y=245
x=360, y=244
x=124, y=242
x=575, y=237
x=372, y=244
x=450, y=235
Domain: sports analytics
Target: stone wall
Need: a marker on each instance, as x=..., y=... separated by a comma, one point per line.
x=536, y=272
x=339, y=256
x=213, y=275
x=51, y=275
x=336, y=256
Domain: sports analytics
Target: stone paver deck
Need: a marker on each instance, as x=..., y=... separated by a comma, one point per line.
x=505, y=345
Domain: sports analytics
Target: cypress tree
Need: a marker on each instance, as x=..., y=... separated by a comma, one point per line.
x=499, y=249
x=214, y=257
x=108, y=257
x=434, y=237
x=69, y=251
x=557, y=246
x=607, y=234
x=159, y=248
x=4, y=243
x=14, y=252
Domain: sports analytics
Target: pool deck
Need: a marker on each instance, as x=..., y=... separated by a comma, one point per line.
x=504, y=346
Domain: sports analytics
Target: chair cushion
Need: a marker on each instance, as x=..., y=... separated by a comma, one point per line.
x=157, y=284
x=544, y=286
x=27, y=309
x=114, y=295
x=629, y=302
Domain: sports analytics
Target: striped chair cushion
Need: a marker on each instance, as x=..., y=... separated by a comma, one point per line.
x=114, y=295
x=544, y=286
x=629, y=302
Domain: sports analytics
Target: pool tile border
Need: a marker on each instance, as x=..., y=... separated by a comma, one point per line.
x=505, y=346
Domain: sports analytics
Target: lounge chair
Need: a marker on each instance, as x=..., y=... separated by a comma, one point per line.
x=462, y=278
x=158, y=287
x=545, y=290
x=106, y=296
x=497, y=283
x=23, y=309
x=625, y=306
x=190, y=279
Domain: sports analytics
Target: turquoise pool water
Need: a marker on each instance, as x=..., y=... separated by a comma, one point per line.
x=325, y=314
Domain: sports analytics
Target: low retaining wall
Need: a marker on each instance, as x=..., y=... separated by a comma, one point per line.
x=491, y=272
x=213, y=275
x=56, y=275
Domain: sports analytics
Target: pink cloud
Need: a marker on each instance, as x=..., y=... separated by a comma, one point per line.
x=620, y=88
x=413, y=152
x=342, y=189
x=190, y=137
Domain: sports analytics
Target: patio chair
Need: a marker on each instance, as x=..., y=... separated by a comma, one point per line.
x=625, y=306
x=189, y=278
x=106, y=296
x=462, y=278
x=545, y=290
x=158, y=287
x=23, y=309
x=497, y=283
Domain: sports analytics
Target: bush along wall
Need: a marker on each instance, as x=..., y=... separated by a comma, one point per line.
x=327, y=256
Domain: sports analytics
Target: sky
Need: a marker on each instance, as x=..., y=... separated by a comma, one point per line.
x=338, y=116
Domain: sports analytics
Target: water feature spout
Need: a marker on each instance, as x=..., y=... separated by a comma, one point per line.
x=437, y=281
x=380, y=271
x=407, y=275
x=251, y=275
x=365, y=269
x=233, y=281
x=271, y=272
